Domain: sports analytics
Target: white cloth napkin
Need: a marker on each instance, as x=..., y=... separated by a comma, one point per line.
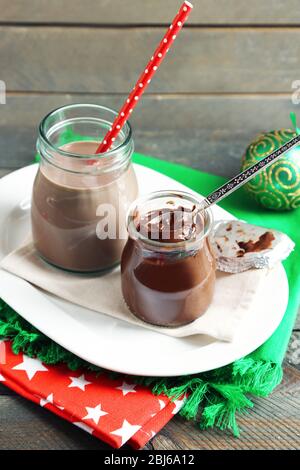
x=235, y=294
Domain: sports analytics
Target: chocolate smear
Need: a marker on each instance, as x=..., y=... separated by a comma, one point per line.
x=263, y=243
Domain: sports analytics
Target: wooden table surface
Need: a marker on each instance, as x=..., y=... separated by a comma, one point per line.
x=274, y=423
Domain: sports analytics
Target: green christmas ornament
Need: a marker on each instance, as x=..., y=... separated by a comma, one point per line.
x=278, y=186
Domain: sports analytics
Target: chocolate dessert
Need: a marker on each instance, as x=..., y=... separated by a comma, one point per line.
x=168, y=270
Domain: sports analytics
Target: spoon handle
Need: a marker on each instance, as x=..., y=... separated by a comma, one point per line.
x=244, y=176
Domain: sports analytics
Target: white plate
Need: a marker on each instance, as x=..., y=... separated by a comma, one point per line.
x=113, y=344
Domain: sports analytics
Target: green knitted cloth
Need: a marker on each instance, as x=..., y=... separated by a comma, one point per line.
x=216, y=396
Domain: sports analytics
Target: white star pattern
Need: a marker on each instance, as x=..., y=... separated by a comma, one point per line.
x=130, y=406
x=126, y=431
x=47, y=400
x=78, y=382
x=84, y=426
x=178, y=405
x=94, y=413
x=161, y=404
x=30, y=366
x=127, y=388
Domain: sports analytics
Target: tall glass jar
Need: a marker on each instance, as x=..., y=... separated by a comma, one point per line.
x=80, y=199
x=168, y=269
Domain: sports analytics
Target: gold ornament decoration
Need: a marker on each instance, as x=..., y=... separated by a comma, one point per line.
x=278, y=186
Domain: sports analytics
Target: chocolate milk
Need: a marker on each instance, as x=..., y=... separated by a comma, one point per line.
x=69, y=210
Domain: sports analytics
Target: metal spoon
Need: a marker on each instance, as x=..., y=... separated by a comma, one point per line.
x=242, y=178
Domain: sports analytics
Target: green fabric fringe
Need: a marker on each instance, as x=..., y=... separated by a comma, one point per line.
x=212, y=398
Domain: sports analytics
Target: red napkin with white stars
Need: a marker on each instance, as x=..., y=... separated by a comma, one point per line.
x=115, y=411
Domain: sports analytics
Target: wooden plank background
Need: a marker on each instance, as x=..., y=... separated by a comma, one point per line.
x=149, y=11
x=202, y=60
x=228, y=76
x=208, y=132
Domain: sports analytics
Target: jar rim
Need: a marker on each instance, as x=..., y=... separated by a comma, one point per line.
x=58, y=149
x=184, y=244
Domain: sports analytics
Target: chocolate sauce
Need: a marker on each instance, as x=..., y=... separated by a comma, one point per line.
x=163, y=285
x=263, y=243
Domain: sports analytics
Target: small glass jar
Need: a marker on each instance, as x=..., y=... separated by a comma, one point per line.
x=168, y=282
x=80, y=199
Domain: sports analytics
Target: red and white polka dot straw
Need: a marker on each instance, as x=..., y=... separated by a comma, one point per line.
x=146, y=76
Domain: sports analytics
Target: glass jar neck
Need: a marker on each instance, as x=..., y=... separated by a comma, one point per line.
x=69, y=137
